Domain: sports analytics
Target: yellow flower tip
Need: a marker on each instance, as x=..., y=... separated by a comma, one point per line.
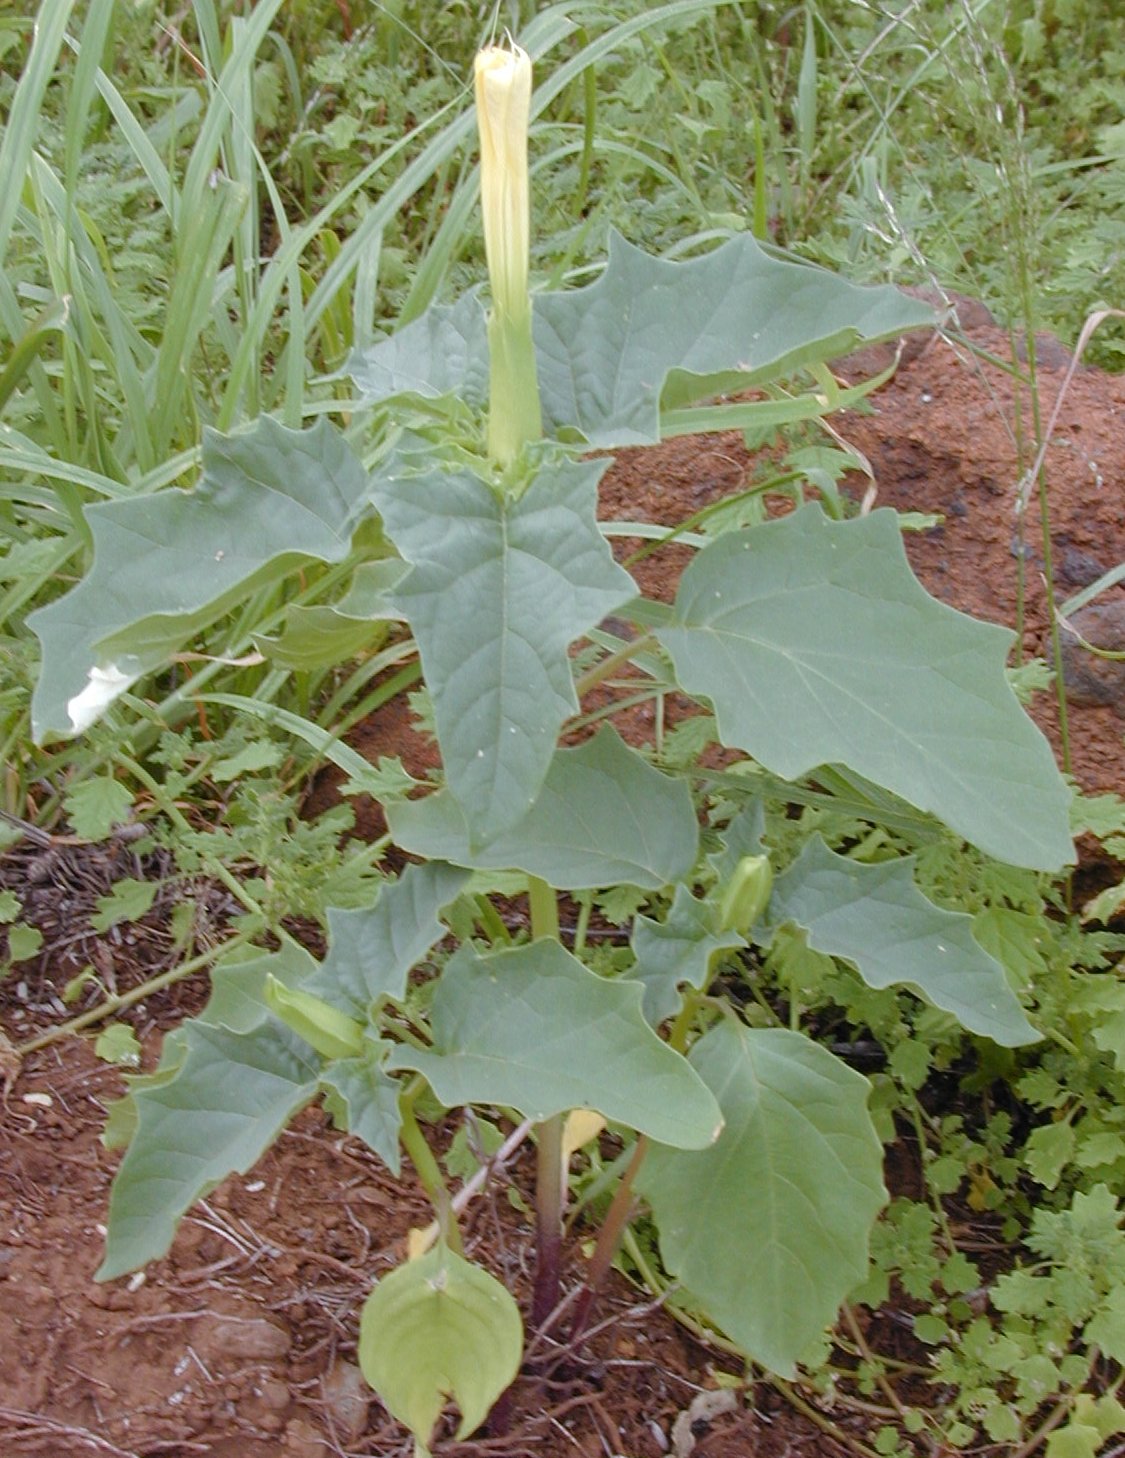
x=502, y=77
x=503, y=92
x=509, y=64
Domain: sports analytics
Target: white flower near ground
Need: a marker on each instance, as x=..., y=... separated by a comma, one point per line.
x=103, y=685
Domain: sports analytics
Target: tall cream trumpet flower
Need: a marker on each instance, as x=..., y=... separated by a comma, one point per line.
x=503, y=98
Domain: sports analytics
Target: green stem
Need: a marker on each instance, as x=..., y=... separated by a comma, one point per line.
x=610, y=665
x=1045, y=521
x=544, y=907
x=697, y=518
x=1056, y=637
x=426, y=1166
x=115, y=1004
x=923, y=1155
x=550, y=1183
x=814, y=1415
x=514, y=416
x=613, y=1229
x=677, y=1037
x=616, y=1222
x=492, y=923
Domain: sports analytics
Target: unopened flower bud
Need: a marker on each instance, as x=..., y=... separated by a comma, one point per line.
x=331, y=1032
x=746, y=895
x=503, y=96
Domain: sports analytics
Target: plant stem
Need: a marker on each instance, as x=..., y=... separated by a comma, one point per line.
x=814, y=1415
x=544, y=907
x=426, y=1166
x=115, y=1004
x=473, y=1186
x=609, y=1238
x=1044, y=510
x=550, y=1184
x=180, y=821
x=866, y=1353
x=609, y=665
x=589, y=129
x=549, y=1195
x=492, y=924
x=616, y=1222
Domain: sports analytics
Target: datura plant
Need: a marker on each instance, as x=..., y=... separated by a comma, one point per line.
x=466, y=536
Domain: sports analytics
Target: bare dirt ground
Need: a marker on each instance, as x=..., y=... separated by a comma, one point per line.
x=241, y=1344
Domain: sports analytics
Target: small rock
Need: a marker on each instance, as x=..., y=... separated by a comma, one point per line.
x=964, y=312
x=274, y=1395
x=348, y=1397
x=1078, y=568
x=303, y=1441
x=1050, y=352
x=1089, y=679
x=251, y=1339
x=109, y=1298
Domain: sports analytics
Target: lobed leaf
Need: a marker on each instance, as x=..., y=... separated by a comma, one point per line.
x=443, y=352
x=875, y=917
x=676, y=950
x=498, y=590
x=238, y=1000
x=604, y=816
x=817, y=645
x=648, y=334
x=229, y=1098
x=372, y=951
x=363, y=1099
x=166, y=565
x=534, y=1029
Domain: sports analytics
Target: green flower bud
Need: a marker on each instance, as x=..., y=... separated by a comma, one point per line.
x=331, y=1032
x=746, y=895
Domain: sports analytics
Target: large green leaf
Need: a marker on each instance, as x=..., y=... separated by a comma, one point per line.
x=498, y=590
x=876, y=917
x=168, y=564
x=649, y=333
x=769, y=1227
x=534, y=1029
x=439, y=1327
x=817, y=645
x=603, y=816
x=372, y=951
x=678, y=949
x=230, y=1097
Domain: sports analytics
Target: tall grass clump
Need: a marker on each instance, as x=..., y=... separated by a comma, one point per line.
x=206, y=216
